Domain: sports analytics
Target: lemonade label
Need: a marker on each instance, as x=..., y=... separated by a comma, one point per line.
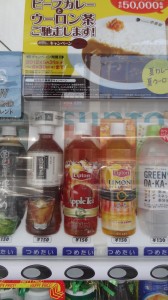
x=118, y=197
x=118, y=177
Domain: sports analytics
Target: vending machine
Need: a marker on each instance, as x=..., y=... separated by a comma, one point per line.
x=83, y=141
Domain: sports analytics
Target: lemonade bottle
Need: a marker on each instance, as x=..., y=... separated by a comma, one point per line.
x=117, y=183
x=81, y=183
x=153, y=183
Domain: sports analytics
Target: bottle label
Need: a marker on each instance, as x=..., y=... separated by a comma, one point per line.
x=153, y=187
x=44, y=169
x=12, y=177
x=151, y=290
x=118, y=194
x=81, y=186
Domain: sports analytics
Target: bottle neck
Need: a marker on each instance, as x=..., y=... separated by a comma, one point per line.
x=83, y=135
x=118, y=135
x=45, y=135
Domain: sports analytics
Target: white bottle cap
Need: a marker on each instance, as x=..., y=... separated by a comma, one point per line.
x=46, y=129
x=118, y=129
x=82, y=129
x=37, y=294
x=9, y=130
x=7, y=293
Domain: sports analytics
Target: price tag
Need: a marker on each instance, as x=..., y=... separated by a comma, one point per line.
x=83, y=240
x=42, y=239
x=121, y=240
x=5, y=239
x=159, y=240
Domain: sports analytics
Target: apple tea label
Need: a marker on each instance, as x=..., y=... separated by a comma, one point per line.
x=81, y=199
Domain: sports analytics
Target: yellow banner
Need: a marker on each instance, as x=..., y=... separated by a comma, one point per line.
x=53, y=24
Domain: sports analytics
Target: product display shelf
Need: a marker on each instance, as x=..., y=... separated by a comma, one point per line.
x=99, y=257
x=96, y=245
x=109, y=253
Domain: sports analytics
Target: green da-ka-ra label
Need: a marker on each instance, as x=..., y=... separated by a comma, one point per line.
x=118, y=196
x=153, y=185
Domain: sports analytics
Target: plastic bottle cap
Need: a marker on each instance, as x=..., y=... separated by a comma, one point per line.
x=37, y=294
x=153, y=130
x=118, y=129
x=83, y=129
x=46, y=129
x=9, y=130
x=6, y=294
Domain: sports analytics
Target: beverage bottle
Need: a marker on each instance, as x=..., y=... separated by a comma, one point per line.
x=84, y=290
x=153, y=290
x=153, y=182
x=81, y=183
x=8, y=294
x=123, y=291
x=45, y=164
x=37, y=294
x=12, y=180
x=117, y=183
x=117, y=290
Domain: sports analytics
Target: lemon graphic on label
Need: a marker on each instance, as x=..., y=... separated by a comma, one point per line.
x=75, y=169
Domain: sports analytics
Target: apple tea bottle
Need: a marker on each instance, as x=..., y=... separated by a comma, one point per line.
x=45, y=161
x=81, y=183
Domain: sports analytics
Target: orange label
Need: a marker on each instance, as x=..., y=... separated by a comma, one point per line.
x=58, y=291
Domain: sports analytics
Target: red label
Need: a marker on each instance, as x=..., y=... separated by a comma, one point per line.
x=81, y=196
x=121, y=173
x=143, y=7
x=164, y=134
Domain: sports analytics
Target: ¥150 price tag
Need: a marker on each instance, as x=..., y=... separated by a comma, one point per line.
x=83, y=240
x=42, y=239
x=159, y=240
x=120, y=240
x=6, y=239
